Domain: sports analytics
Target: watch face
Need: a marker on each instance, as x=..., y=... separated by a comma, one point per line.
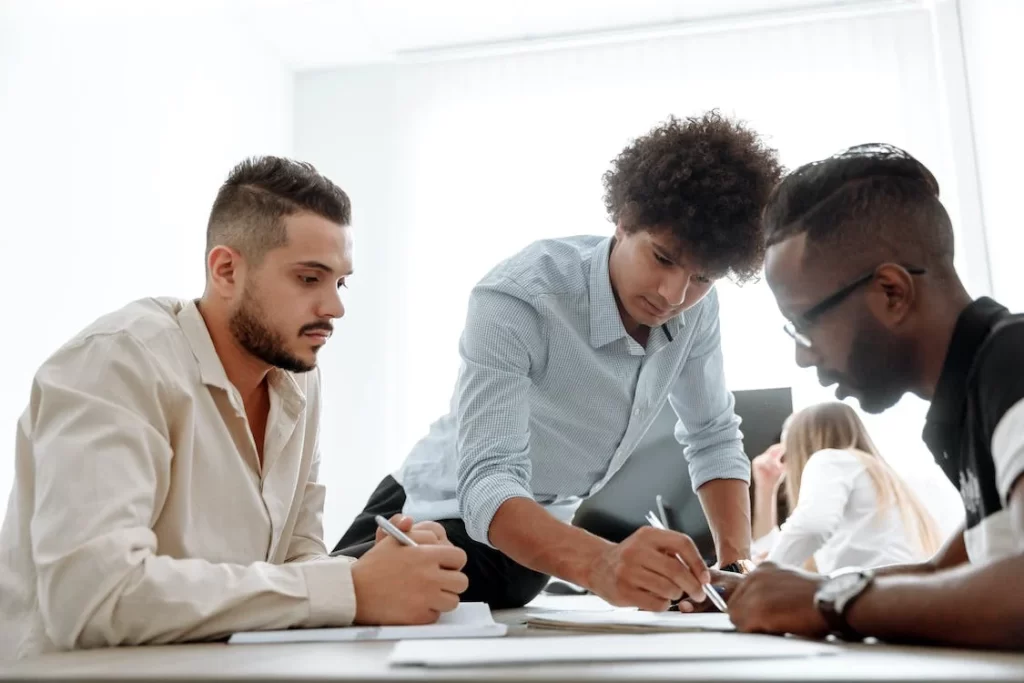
x=834, y=590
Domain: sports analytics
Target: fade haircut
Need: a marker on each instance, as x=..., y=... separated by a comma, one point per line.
x=864, y=206
x=259, y=193
x=704, y=181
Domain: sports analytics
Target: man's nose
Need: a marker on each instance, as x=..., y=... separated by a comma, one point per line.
x=806, y=357
x=673, y=288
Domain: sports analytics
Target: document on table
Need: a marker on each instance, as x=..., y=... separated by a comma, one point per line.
x=630, y=621
x=605, y=648
x=468, y=620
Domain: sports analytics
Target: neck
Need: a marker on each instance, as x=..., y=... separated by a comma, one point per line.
x=936, y=334
x=244, y=371
x=633, y=328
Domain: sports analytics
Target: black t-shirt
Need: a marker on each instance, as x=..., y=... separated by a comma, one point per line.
x=981, y=389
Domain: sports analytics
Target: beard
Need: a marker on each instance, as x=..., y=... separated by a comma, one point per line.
x=880, y=367
x=254, y=336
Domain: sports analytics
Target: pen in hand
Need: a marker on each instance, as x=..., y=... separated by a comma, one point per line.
x=709, y=590
x=393, y=531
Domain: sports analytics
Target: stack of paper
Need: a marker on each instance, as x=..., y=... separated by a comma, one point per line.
x=468, y=620
x=623, y=648
x=630, y=621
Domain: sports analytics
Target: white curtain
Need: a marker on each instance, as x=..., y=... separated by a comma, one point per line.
x=492, y=153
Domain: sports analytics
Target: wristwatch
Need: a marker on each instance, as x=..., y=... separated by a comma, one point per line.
x=836, y=595
x=738, y=567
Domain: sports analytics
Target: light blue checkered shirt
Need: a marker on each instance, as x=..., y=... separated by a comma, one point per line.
x=553, y=395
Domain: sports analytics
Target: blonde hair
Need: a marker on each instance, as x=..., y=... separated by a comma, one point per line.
x=835, y=425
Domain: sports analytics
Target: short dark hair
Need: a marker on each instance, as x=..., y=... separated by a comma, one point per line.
x=865, y=205
x=259, y=192
x=704, y=180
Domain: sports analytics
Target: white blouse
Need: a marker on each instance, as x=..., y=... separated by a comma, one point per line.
x=838, y=522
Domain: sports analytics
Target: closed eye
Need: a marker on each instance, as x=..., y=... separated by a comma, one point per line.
x=662, y=260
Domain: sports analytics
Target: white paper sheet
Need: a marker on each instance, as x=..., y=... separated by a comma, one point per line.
x=599, y=648
x=630, y=621
x=468, y=620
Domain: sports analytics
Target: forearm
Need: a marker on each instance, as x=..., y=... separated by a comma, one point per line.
x=952, y=554
x=196, y=599
x=726, y=504
x=531, y=536
x=764, y=513
x=968, y=606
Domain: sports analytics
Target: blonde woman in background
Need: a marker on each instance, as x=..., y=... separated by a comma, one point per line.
x=848, y=508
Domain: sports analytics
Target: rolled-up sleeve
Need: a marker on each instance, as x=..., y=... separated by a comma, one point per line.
x=498, y=345
x=708, y=426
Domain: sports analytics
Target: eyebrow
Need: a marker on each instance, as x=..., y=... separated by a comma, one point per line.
x=665, y=253
x=315, y=265
x=323, y=267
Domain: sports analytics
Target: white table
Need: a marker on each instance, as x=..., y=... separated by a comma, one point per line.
x=368, y=662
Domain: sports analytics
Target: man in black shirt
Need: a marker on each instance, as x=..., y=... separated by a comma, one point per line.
x=860, y=261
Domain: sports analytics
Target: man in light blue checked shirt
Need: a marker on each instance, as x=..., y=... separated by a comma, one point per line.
x=571, y=348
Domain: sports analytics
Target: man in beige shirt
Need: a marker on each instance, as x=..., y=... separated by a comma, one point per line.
x=166, y=467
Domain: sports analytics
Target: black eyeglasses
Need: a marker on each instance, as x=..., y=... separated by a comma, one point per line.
x=797, y=328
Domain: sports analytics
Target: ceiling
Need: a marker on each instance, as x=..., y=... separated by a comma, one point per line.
x=311, y=34
x=316, y=34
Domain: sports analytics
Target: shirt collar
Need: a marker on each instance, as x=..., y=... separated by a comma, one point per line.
x=211, y=370
x=605, y=321
x=972, y=328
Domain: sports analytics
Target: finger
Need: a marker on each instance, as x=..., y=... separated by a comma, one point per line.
x=401, y=521
x=443, y=601
x=447, y=556
x=646, y=601
x=425, y=617
x=434, y=528
x=423, y=536
x=656, y=584
x=454, y=582
x=674, y=542
x=673, y=570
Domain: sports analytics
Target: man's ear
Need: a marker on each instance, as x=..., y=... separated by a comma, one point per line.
x=226, y=270
x=894, y=293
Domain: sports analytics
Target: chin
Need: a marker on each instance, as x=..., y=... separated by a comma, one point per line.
x=877, y=404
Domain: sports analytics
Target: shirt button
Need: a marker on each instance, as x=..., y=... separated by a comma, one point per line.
x=636, y=412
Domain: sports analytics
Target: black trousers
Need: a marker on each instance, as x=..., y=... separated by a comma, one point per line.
x=493, y=577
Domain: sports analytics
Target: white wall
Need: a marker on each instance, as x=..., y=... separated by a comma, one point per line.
x=116, y=129
x=349, y=132
x=453, y=165
x=994, y=56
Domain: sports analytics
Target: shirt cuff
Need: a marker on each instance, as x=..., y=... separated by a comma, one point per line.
x=719, y=464
x=331, y=594
x=480, y=504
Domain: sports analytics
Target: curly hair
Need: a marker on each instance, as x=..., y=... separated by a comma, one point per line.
x=705, y=180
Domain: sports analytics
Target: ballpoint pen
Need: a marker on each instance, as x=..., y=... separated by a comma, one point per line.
x=709, y=590
x=393, y=531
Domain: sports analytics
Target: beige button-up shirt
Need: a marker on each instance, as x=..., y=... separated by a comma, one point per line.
x=140, y=512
